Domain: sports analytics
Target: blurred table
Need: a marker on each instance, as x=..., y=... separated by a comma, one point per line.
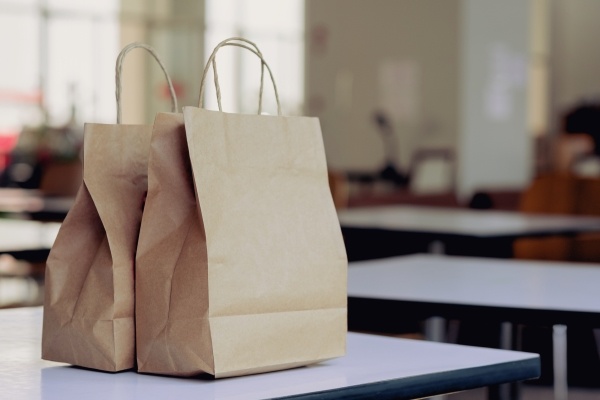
x=384, y=231
x=34, y=204
x=480, y=289
x=374, y=367
x=21, y=276
x=27, y=240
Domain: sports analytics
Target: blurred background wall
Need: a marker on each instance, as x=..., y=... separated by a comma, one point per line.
x=485, y=84
x=397, y=57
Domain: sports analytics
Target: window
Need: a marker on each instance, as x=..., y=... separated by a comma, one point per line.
x=56, y=54
x=277, y=27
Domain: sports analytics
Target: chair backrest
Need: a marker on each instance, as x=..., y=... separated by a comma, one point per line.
x=432, y=170
x=551, y=194
x=561, y=194
x=568, y=148
x=61, y=179
x=340, y=191
x=588, y=196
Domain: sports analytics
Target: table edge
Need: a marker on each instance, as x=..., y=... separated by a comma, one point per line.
x=434, y=384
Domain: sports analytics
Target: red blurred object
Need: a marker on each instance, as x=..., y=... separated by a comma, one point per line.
x=8, y=141
x=15, y=96
x=166, y=94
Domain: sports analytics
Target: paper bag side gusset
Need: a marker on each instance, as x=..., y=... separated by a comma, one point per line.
x=171, y=292
x=89, y=300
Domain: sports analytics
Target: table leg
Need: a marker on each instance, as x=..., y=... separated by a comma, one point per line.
x=517, y=344
x=506, y=343
x=559, y=349
x=597, y=337
x=506, y=336
x=435, y=329
x=509, y=340
x=436, y=247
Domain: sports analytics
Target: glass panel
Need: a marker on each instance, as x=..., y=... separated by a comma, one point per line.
x=81, y=62
x=134, y=8
x=104, y=6
x=70, y=67
x=181, y=51
x=227, y=60
x=277, y=27
x=19, y=71
x=14, y=116
x=221, y=13
x=14, y=5
x=102, y=103
x=20, y=58
x=272, y=15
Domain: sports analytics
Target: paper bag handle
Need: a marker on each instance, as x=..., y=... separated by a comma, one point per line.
x=216, y=76
x=119, y=68
x=212, y=61
x=262, y=72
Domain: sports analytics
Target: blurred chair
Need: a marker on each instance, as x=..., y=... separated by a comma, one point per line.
x=432, y=170
x=587, y=247
x=61, y=178
x=550, y=194
x=340, y=190
x=569, y=149
x=575, y=153
x=564, y=194
x=561, y=194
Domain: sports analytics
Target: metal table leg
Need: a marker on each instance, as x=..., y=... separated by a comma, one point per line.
x=559, y=349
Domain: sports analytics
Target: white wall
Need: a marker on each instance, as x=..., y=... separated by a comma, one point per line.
x=351, y=44
x=576, y=52
x=494, y=145
x=471, y=59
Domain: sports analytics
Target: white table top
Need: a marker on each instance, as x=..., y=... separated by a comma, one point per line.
x=465, y=222
x=32, y=201
x=397, y=365
x=501, y=283
x=20, y=235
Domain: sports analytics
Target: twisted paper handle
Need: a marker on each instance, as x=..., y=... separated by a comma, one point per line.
x=119, y=68
x=262, y=72
x=212, y=61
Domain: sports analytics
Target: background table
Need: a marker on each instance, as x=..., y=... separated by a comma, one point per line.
x=375, y=366
x=27, y=240
x=34, y=204
x=528, y=292
x=372, y=232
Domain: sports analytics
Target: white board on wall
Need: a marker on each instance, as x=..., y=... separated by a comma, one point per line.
x=494, y=145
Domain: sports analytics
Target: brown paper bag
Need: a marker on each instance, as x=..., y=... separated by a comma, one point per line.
x=241, y=266
x=89, y=298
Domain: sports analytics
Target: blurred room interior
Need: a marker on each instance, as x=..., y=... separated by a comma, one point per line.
x=477, y=104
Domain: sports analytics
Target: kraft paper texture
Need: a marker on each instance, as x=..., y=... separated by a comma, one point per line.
x=89, y=298
x=241, y=266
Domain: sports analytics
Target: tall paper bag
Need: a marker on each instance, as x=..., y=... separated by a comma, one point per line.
x=89, y=290
x=241, y=266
